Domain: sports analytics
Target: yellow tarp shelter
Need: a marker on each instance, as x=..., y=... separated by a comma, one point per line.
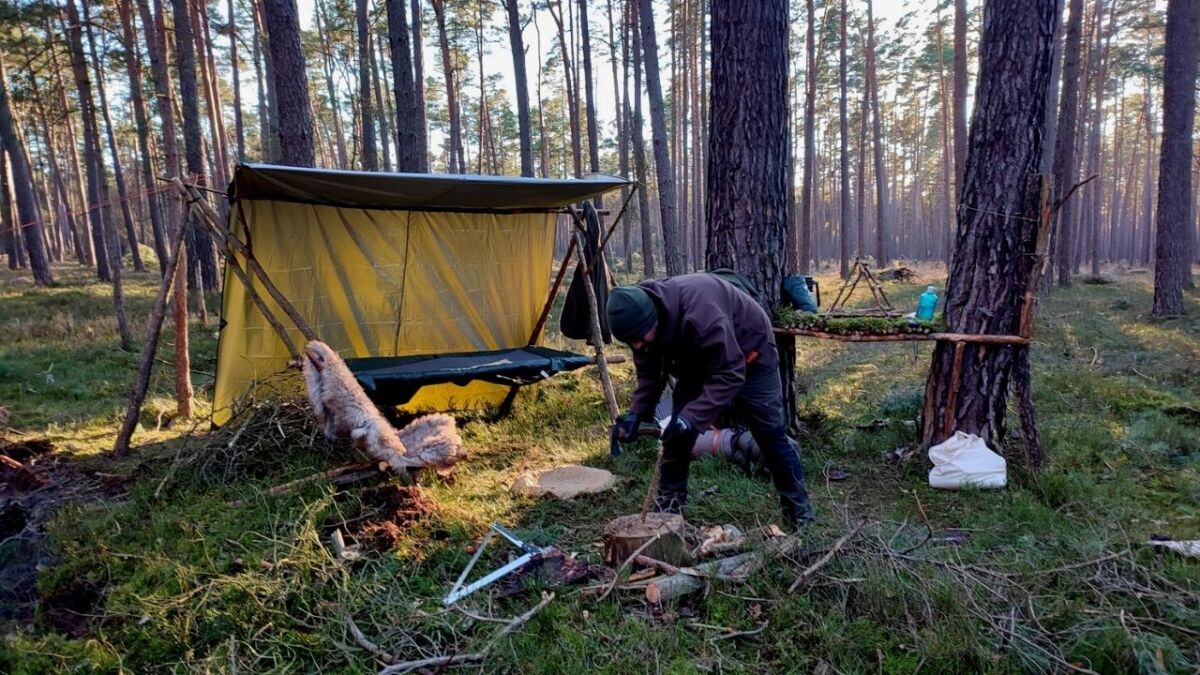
x=386, y=264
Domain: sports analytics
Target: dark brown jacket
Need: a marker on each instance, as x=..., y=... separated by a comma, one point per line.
x=707, y=332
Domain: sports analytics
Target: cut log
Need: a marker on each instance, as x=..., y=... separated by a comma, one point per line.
x=736, y=568
x=625, y=535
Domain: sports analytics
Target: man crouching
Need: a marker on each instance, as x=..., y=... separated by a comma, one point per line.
x=719, y=345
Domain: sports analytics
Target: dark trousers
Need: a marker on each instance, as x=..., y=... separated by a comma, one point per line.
x=760, y=404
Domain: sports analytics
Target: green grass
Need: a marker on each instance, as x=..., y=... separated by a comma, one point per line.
x=192, y=583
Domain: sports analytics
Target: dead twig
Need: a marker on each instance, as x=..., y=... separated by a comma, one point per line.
x=647, y=561
x=365, y=643
x=342, y=475
x=740, y=633
x=440, y=662
x=823, y=560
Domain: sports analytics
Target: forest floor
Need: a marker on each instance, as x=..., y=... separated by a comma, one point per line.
x=145, y=565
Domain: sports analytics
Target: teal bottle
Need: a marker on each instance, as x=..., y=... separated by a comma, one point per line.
x=927, y=304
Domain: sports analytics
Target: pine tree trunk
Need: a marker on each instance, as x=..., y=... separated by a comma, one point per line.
x=456, y=141
x=78, y=185
x=282, y=21
x=118, y=172
x=27, y=220
x=411, y=155
x=370, y=160
x=420, y=119
x=804, y=254
x=202, y=262
x=589, y=95
x=572, y=88
x=239, y=124
x=1064, y=152
x=208, y=76
x=92, y=162
x=997, y=222
x=639, y=147
x=881, y=189
x=1172, y=252
x=267, y=135
x=665, y=172
x=521, y=82
x=133, y=69
x=960, y=94
x=843, y=148
x=746, y=209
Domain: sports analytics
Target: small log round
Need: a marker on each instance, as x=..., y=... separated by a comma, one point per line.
x=625, y=535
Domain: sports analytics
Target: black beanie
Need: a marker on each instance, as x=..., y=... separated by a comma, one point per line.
x=631, y=313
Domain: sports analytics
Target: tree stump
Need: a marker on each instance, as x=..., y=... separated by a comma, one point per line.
x=625, y=535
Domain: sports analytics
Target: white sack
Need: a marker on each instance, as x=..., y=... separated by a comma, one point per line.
x=965, y=460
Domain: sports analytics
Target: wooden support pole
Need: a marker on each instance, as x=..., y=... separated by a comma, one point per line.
x=146, y=363
x=610, y=395
x=612, y=227
x=213, y=221
x=558, y=279
x=952, y=399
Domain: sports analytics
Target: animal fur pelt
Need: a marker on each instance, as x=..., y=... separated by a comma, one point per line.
x=344, y=411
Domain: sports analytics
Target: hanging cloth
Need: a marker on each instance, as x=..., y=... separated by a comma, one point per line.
x=576, y=321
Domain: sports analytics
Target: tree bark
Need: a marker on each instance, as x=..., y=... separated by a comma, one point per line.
x=282, y=21
x=133, y=68
x=1172, y=244
x=1064, y=152
x=593, y=133
x=103, y=229
x=411, y=155
x=370, y=161
x=663, y=169
x=96, y=211
x=639, y=148
x=843, y=148
x=746, y=208
x=118, y=172
x=239, y=124
x=28, y=220
x=572, y=93
x=456, y=142
x=804, y=253
x=202, y=262
x=521, y=82
x=997, y=220
x=420, y=117
x=960, y=94
x=881, y=188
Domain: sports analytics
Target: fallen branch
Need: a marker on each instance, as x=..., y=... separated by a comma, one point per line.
x=342, y=475
x=736, y=568
x=647, y=561
x=442, y=662
x=823, y=560
x=439, y=662
x=740, y=633
x=366, y=644
x=517, y=623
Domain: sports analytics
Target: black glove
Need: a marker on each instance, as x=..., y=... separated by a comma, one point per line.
x=679, y=437
x=627, y=426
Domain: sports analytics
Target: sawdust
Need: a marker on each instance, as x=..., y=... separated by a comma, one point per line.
x=390, y=511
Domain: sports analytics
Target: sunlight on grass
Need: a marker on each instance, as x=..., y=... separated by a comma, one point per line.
x=193, y=582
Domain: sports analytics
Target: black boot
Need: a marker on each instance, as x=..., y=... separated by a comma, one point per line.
x=670, y=497
x=797, y=510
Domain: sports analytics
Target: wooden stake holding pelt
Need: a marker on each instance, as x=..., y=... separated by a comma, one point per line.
x=662, y=534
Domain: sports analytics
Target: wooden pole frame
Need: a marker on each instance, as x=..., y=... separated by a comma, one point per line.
x=146, y=362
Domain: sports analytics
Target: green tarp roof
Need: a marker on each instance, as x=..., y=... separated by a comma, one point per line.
x=415, y=191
